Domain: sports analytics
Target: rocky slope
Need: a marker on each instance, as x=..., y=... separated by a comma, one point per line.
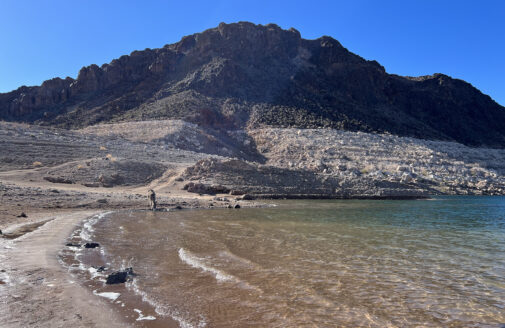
x=434, y=166
x=262, y=162
x=239, y=75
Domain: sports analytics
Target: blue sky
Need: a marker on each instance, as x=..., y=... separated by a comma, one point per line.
x=40, y=40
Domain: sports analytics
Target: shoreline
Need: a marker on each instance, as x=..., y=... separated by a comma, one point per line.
x=38, y=289
x=35, y=287
x=122, y=298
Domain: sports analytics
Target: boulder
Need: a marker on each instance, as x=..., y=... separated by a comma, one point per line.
x=402, y=168
x=407, y=178
x=481, y=184
x=119, y=277
x=91, y=245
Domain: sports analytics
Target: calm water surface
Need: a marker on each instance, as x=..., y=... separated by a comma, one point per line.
x=360, y=263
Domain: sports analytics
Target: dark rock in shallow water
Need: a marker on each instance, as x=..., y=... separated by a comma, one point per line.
x=119, y=277
x=91, y=245
x=100, y=268
x=72, y=245
x=22, y=215
x=237, y=206
x=116, y=278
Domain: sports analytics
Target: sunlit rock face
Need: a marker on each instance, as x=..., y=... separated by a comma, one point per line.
x=245, y=75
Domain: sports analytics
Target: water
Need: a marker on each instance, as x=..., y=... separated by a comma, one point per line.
x=358, y=263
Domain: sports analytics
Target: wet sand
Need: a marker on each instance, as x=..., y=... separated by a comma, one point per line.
x=37, y=291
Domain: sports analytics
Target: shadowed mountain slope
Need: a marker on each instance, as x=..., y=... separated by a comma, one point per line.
x=241, y=74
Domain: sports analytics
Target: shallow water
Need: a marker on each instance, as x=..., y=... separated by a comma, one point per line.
x=357, y=263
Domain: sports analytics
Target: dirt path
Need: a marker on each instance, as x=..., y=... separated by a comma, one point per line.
x=36, y=291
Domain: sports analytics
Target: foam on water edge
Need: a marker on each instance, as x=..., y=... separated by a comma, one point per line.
x=164, y=310
x=86, y=234
x=197, y=263
x=110, y=295
x=88, y=225
x=143, y=317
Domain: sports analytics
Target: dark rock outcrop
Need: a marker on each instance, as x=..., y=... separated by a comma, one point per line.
x=244, y=74
x=91, y=245
x=119, y=277
x=201, y=188
x=263, y=181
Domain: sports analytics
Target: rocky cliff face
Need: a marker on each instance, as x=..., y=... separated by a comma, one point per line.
x=242, y=74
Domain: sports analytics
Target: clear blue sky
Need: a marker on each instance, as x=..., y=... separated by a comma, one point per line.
x=464, y=39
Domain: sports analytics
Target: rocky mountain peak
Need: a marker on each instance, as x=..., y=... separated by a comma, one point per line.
x=242, y=74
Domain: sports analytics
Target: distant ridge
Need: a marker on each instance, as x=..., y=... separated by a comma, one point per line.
x=242, y=74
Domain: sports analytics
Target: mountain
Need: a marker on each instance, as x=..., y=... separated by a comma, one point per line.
x=241, y=74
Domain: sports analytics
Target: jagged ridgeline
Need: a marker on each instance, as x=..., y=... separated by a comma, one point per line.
x=241, y=74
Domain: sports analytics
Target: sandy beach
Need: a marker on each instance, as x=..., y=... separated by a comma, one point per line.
x=37, y=291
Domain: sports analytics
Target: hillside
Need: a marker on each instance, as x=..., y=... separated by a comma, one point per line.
x=245, y=75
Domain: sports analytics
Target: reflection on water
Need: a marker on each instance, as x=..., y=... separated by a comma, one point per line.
x=320, y=263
